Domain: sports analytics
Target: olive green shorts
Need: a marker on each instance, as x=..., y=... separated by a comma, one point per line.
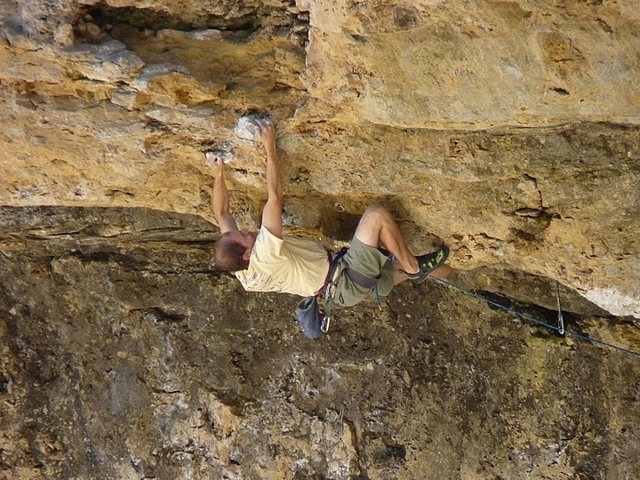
x=368, y=261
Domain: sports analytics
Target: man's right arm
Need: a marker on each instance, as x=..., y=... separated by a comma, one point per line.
x=220, y=201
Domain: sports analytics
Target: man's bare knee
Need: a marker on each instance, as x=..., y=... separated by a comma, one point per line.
x=376, y=212
x=371, y=223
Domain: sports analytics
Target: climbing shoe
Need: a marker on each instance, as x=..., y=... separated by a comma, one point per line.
x=428, y=263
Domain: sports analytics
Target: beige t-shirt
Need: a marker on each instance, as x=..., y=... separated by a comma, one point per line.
x=292, y=265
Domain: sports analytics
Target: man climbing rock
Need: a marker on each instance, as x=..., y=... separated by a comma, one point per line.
x=269, y=261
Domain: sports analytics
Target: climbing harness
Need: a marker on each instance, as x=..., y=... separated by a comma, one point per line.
x=366, y=282
x=308, y=315
x=329, y=289
x=332, y=285
x=559, y=328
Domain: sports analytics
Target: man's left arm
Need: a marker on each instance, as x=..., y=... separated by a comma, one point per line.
x=272, y=212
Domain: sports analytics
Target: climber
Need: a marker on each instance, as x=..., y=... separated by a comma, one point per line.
x=269, y=261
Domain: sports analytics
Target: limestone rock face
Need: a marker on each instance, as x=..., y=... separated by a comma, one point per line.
x=508, y=130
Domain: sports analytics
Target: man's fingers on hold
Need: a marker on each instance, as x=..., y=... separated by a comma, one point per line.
x=213, y=159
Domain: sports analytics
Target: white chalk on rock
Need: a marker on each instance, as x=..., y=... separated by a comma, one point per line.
x=247, y=128
x=227, y=157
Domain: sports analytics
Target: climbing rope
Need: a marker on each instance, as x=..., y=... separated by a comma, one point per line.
x=560, y=317
x=559, y=329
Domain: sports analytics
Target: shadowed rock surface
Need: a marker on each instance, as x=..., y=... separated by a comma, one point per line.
x=127, y=355
x=508, y=130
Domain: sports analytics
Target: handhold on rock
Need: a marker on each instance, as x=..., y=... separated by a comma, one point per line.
x=227, y=157
x=247, y=128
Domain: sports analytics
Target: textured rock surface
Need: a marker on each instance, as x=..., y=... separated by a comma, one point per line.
x=509, y=130
x=124, y=358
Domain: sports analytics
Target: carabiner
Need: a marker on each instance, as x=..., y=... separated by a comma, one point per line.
x=324, y=327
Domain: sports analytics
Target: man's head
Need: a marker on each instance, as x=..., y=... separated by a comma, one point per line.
x=233, y=249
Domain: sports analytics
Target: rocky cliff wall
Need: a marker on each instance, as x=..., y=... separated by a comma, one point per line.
x=508, y=130
x=126, y=355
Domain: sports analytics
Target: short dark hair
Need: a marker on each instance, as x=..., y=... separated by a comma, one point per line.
x=228, y=254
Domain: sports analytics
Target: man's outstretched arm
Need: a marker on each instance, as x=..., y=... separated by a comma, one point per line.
x=220, y=201
x=272, y=212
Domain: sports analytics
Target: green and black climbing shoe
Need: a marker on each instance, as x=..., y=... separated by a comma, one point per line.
x=428, y=263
